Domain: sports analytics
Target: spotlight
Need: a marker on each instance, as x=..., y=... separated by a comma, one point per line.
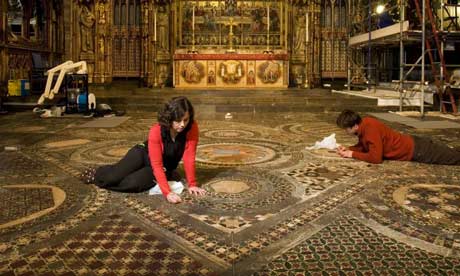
x=380, y=9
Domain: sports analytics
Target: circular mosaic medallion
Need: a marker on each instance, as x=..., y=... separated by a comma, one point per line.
x=311, y=127
x=228, y=133
x=35, y=212
x=117, y=152
x=102, y=152
x=229, y=187
x=233, y=154
x=252, y=191
x=30, y=129
x=435, y=204
x=67, y=143
x=17, y=198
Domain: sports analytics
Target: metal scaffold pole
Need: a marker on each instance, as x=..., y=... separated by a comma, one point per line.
x=349, y=52
x=422, y=86
x=441, y=69
x=369, y=22
x=401, y=54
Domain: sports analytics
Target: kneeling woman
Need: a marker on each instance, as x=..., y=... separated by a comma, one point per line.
x=174, y=137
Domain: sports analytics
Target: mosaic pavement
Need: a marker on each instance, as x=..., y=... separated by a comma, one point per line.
x=273, y=207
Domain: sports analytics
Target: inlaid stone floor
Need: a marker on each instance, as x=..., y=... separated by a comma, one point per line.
x=273, y=207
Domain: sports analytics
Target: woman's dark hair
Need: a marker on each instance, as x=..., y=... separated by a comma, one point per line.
x=174, y=110
x=348, y=118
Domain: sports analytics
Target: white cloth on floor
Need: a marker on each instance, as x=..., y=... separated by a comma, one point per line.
x=176, y=187
x=328, y=142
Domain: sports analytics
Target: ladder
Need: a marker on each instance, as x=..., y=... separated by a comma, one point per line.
x=442, y=93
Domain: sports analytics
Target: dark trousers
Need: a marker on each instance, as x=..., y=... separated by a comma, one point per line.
x=131, y=174
x=428, y=151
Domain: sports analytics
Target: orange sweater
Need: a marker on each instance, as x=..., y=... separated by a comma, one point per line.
x=377, y=142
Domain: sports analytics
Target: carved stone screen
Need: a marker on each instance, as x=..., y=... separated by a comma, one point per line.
x=126, y=43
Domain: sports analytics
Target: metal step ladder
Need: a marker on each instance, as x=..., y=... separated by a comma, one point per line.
x=445, y=94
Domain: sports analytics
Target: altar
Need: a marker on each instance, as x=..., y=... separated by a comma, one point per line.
x=230, y=70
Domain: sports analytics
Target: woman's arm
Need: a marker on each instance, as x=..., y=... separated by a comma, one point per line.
x=155, y=146
x=190, y=154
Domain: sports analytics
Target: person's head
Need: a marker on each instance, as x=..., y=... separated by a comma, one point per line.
x=177, y=114
x=349, y=121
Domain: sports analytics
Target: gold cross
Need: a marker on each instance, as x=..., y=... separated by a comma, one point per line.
x=230, y=35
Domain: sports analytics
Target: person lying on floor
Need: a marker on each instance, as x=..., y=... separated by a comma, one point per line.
x=377, y=142
x=154, y=162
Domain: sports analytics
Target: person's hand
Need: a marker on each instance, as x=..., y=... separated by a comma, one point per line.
x=344, y=152
x=173, y=198
x=196, y=191
x=340, y=147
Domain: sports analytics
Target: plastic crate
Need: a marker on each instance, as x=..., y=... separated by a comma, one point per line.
x=25, y=87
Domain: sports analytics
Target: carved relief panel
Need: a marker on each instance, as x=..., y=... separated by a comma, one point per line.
x=230, y=73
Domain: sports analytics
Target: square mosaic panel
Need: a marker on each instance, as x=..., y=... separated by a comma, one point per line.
x=114, y=247
x=347, y=247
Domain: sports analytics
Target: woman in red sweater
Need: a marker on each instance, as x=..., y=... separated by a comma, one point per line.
x=377, y=142
x=154, y=162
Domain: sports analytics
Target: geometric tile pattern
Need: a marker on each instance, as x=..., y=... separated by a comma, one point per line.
x=21, y=202
x=316, y=177
x=14, y=238
x=273, y=207
x=346, y=247
x=253, y=243
x=439, y=204
x=115, y=247
x=198, y=238
x=433, y=205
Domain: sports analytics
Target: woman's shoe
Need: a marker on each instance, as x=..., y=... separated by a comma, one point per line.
x=87, y=176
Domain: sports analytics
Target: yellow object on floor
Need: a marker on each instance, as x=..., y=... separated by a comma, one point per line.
x=19, y=87
x=14, y=87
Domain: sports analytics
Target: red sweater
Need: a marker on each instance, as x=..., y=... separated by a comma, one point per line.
x=377, y=142
x=155, y=145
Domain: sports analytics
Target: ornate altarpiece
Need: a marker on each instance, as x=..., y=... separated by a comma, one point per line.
x=226, y=43
x=231, y=44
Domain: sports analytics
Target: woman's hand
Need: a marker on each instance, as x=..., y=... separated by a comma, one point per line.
x=173, y=198
x=196, y=191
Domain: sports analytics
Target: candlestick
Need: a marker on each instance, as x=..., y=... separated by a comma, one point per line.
x=193, y=17
x=155, y=25
x=306, y=27
x=268, y=18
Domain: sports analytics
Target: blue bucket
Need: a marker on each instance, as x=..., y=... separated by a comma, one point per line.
x=82, y=102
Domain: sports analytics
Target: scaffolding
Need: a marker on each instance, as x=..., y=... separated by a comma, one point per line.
x=376, y=39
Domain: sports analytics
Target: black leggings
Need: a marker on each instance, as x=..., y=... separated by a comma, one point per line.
x=428, y=151
x=132, y=174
